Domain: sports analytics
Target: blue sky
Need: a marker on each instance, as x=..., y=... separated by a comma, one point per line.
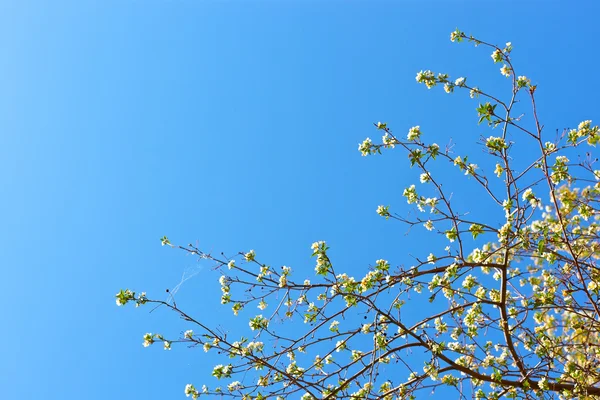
x=234, y=125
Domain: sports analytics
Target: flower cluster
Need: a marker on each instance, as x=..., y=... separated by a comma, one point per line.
x=560, y=169
x=505, y=70
x=259, y=322
x=283, y=278
x=384, y=211
x=250, y=256
x=456, y=36
x=496, y=144
x=320, y=252
x=125, y=296
x=523, y=81
x=222, y=371
x=414, y=133
x=497, y=56
x=235, y=385
x=366, y=147
x=388, y=141
x=529, y=197
x=190, y=390
x=585, y=130
x=225, y=289
x=150, y=338
x=427, y=78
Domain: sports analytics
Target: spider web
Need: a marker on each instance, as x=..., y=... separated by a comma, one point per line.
x=187, y=274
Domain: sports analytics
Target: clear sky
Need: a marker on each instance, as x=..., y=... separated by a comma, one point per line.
x=233, y=124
